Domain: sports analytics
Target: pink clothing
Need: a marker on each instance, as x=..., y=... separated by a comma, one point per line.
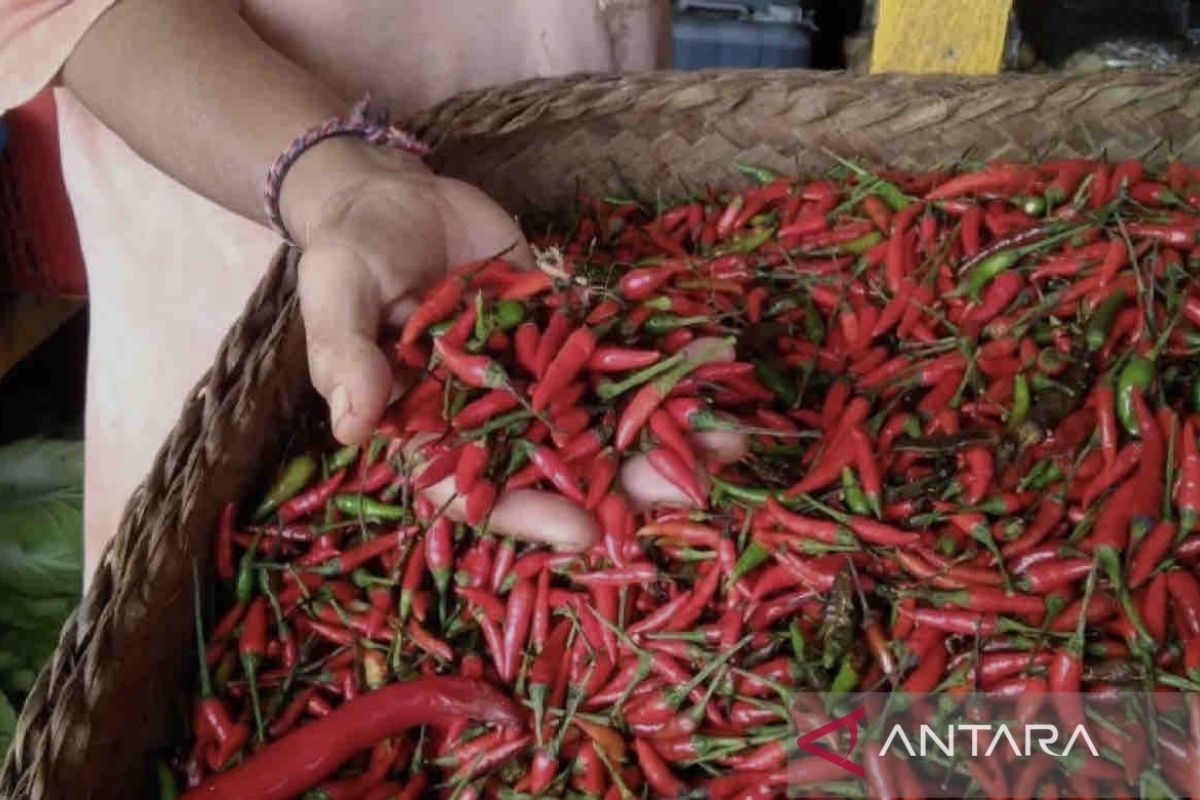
x=169, y=270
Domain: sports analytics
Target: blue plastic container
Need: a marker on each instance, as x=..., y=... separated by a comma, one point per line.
x=749, y=33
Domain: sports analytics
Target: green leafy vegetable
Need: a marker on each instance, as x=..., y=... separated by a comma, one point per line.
x=41, y=561
x=8, y=724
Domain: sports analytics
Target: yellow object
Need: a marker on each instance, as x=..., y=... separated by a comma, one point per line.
x=27, y=320
x=956, y=36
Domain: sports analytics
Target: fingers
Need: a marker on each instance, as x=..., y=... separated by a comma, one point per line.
x=646, y=488
x=529, y=515
x=339, y=301
x=476, y=227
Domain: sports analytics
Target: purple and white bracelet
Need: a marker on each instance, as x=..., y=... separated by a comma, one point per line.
x=371, y=125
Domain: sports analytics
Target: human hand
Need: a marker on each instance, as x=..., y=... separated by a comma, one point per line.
x=386, y=229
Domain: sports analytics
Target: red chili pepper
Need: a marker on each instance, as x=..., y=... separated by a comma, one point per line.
x=517, y=618
x=441, y=466
x=439, y=304
x=583, y=445
x=312, y=500
x=502, y=564
x=967, y=623
x=1178, y=236
x=1126, y=461
x=555, y=470
x=472, y=460
x=620, y=359
x=656, y=771
x=668, y=432
x=460, y=330
x=480, y=502
x=487, y=602
x=1004, y=180
x=623, y=576
x=1187, y=491
x=1184, y=590
x=479, y=372
x=668, y=464
x=526, y=341
x=838, y=455
x=541, y=612
x=931, y=665
x=1153, y=607
x=223, y=559
x=530, y=284
x=552, y=339
x=568, y=362
x=1151, y=551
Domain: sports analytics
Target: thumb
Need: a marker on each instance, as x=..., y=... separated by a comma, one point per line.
x=340, y=302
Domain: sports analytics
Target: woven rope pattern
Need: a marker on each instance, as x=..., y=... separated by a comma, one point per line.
x=110, y=693
x=531, y=144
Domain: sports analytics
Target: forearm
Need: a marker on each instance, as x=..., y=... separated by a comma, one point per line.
x=197, y=93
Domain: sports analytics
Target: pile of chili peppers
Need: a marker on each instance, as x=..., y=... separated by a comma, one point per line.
x=971, y=402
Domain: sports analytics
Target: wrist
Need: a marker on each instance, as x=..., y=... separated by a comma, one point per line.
x=333, y=171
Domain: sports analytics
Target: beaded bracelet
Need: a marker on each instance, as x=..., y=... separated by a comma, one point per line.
x=369, y=124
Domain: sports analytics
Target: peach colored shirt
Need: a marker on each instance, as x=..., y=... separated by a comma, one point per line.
x=168, y=270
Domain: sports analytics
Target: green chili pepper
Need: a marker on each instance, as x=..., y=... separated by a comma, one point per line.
x=745, y=494
x=483, y=323
x=846, y=679
x=853, y=494
x=860, y=245
x=607, y=390
x=798, y=644
x=1100, y=323
x=1052, y=474
x=167, y=788
x=748, y=243
x=457, y=403
x=1033, y=205
x=1135, y=377
x=342, y=458
x=751, y=558
x=1110, y=562
x=294, y=477
x=509, y=314
x=982, y=273
x=760, y=175
x=1021, y=401
x=355, y=505
x=1052, y=360
x=243, y=584
x=658, y=324
x=946, y=545
x=783, y=303
x=518, y=457
x=774, y=379
x=438, y=328
x=987, y=269
x=499, y=423
x=890, y=192
x=814, y=325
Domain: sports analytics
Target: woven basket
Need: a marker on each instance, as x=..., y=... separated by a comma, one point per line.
x=112, y=692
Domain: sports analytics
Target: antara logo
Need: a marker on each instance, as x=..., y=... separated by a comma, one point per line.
x=984, y=740
x=1001, y=735
x=807, y=742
